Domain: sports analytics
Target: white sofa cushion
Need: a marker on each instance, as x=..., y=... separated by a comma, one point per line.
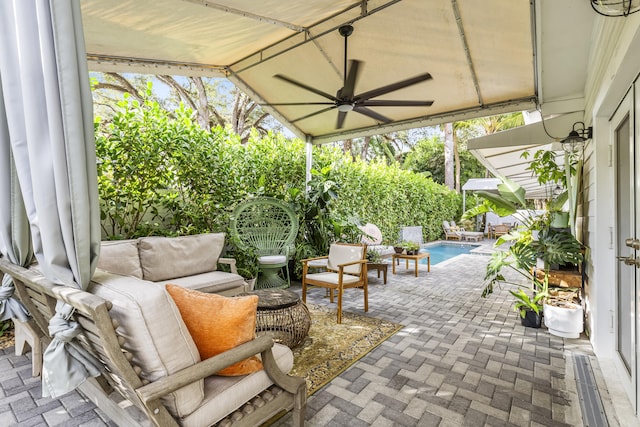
x=120, y=257
x=212, y=282
x=154, y=333
x=382, y=250
x=223, y=395
x=164, y=258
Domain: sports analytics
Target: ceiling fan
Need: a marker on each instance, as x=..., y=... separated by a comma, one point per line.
x=346, y=100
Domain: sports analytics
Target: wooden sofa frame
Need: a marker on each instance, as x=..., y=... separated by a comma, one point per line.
x=120, y=380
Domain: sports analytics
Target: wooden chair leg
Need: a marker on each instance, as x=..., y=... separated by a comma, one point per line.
x=340, y=292
x=304, y=290
x=26, y=335
x=366, y=296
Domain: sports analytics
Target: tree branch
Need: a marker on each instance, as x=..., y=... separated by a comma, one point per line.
x=182, y=93
x=123, y=86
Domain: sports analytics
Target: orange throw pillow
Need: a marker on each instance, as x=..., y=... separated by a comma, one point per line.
x=218, y=324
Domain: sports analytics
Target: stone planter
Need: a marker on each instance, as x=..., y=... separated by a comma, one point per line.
x=564, y=321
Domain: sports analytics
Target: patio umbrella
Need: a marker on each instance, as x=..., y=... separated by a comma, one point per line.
x=48, y=111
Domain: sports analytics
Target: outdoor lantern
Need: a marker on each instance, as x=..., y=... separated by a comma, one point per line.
x=574, y=142
x=615, y=7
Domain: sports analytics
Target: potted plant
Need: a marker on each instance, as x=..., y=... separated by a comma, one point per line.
x=529, y=308
x=247, y=266
x=373, y=257
x=412, y=248
x=535, y=246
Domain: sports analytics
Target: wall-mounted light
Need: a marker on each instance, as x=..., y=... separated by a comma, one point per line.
x=574, y=142
x=615, y=7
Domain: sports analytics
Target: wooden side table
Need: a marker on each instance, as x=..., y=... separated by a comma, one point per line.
x=380, y=267
x=416, y=259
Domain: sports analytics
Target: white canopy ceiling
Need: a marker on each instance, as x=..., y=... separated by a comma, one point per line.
x=480, y=53
x=486, y=57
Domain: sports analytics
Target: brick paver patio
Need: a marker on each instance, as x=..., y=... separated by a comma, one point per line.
x=460, y=361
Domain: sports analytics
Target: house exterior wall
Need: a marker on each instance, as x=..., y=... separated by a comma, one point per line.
x=622, y=65
x=615, y=65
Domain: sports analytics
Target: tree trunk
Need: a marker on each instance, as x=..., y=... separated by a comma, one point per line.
x=456, y=157
x=365, y=147
x=123, y=86
x=448, y=156
x=204, y=119
x=346, y=146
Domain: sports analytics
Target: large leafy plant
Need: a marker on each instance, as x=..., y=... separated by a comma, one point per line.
x=550, y=246
x=553, y=247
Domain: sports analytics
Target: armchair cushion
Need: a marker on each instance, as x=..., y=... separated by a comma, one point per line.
x=272, y=259
x=219, y=323
x=153, y=332
x=343, y=254
x=164, y=259
x=223, y=395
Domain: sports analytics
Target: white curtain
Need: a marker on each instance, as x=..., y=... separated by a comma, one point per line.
x=15, y=239
x=48, y=108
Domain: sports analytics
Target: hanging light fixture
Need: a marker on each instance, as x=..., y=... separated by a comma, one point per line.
x=615, y=7
x=574, y=142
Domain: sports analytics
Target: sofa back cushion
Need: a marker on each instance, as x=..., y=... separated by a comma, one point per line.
x=120, y=257
x=153, y=332
x=164, y=258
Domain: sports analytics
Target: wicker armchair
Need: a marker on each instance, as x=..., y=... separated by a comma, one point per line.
x=268, y=227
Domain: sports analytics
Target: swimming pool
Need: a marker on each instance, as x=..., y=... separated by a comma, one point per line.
x=442, y=251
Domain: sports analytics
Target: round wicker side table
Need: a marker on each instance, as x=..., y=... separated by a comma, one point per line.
x=282, y=315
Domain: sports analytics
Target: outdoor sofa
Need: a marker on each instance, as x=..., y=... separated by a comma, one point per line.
x=190, y=261
x=136, y=330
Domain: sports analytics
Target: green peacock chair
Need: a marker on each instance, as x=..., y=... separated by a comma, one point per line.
x=268, y=227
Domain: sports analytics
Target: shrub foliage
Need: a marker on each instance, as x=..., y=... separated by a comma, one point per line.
x=159, y=173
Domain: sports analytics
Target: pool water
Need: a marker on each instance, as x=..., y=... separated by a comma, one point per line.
x=444, y=251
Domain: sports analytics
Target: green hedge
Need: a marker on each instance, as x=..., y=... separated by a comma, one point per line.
x=160, y=174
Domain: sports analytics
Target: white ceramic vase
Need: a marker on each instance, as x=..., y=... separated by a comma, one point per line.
x=566, y=321
x=250, y=284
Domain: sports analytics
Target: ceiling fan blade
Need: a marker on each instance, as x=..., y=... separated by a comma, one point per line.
x=372, y=114
x=387, y=103
x=350, y=80
x=304, y=86
x=341, y=116
x=297, y=103
x=394, y=86
x=313, y=114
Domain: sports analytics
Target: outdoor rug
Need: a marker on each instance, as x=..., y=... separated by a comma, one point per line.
x=331, y=348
